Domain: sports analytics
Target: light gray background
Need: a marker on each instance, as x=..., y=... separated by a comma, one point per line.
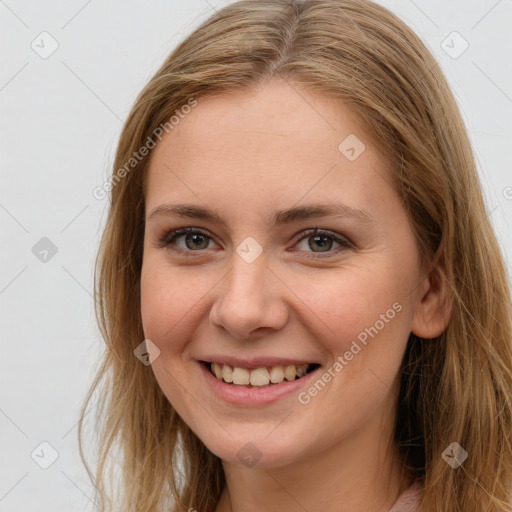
x=60, y=119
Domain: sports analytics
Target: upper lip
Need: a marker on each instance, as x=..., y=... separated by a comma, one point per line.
x=255, y=362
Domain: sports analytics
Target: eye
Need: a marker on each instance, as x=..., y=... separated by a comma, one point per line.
x=321, y=241
x=195, y=240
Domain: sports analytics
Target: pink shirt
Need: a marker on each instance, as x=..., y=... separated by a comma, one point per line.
x=408, y=500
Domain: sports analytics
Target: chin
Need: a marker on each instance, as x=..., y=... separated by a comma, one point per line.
x=256, y=448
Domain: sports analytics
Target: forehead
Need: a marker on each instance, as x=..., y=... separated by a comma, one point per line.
x=275, y=144
x=277, y=115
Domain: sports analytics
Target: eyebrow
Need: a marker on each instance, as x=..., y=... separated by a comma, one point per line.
x=279, y=217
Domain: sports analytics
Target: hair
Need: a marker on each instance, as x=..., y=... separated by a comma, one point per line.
x=454, y=388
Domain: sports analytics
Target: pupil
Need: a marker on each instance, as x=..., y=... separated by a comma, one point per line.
x=321, y=240
x=196, y=237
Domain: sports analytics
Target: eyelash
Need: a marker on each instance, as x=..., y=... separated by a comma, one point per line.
x=170, y=236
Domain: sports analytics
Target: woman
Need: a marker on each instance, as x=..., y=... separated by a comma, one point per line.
x=245, y=370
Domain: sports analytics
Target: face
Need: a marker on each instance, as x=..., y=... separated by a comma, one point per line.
x=268, y=283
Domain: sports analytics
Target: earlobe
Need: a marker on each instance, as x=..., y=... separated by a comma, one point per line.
x=433, y=308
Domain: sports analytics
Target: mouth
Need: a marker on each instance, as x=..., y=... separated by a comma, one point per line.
x=264, y=377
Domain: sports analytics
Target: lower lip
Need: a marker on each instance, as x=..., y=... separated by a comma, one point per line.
x=240, y=395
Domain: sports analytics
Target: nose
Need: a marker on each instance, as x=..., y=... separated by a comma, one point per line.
x=250, y=300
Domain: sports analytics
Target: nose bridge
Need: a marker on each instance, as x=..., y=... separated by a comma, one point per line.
x=248, y=297
x=247, y=279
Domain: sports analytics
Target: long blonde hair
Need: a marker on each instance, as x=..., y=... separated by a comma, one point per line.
x=455, y=388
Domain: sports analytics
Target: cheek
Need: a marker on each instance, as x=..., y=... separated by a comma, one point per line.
x=170, y=304
x=342, y=306
x=171, y=311
x=362, y=319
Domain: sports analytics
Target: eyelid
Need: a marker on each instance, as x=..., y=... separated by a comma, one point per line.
x=171, y=235
x=343, y=241
x=319, y=231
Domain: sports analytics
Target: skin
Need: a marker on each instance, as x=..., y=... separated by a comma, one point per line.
x=244, y=155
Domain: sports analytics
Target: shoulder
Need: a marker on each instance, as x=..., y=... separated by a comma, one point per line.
x=408, y=500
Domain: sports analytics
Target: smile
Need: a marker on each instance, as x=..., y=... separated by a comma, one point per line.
x=259, y=377
x=256, y=382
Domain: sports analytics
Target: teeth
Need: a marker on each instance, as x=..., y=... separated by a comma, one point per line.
x=302, y=369
x=240, y=376
x=226, y=373
x=290, y=372
x=276, y=374
x=217, y=370
x=259, y=376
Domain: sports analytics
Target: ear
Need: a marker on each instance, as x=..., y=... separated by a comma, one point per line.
x=433, y=309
